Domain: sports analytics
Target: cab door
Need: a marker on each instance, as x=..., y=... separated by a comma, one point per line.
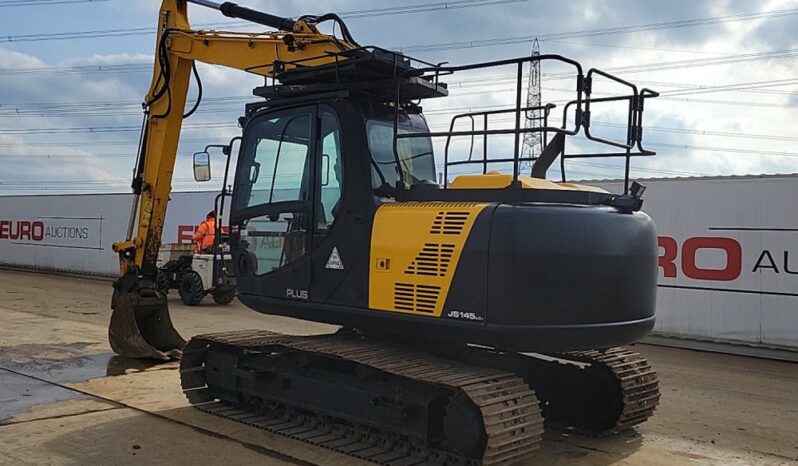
x=337, y=240
x=273, y=203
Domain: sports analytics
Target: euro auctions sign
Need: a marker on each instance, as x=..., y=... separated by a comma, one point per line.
x=74, y=233
x=741, y=260
x=55, y=231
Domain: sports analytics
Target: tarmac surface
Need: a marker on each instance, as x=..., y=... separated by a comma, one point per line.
x=66, y=399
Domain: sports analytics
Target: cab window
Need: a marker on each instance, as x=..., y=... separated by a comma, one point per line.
x=280, y=164
x=416, y=159
x=331, y=171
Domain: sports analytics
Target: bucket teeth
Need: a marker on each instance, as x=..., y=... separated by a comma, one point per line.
x=141, y=327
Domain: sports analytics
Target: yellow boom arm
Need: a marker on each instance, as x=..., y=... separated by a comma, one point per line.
x=140, y=323
x=252, y=52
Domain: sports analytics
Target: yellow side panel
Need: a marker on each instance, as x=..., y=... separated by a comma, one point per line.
x=496, y=180
x=415, y=248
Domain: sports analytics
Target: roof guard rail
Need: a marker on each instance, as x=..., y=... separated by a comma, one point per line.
x=581, y=105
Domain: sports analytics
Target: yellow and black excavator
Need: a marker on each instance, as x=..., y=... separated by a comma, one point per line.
x=470, y=309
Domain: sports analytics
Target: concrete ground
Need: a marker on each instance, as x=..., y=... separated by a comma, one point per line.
x=65, y=399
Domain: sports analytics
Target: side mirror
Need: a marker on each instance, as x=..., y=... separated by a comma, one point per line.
x=202, y=166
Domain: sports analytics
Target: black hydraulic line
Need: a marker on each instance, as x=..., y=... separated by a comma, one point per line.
x=165, y=70
x=166, y=75
x=199, y=91
x=169, y=104
x=337, y=19
x=136, y=184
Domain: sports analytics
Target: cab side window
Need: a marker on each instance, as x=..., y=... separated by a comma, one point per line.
x=331, y=172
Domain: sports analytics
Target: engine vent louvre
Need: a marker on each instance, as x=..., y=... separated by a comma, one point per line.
x=433, y=260
x=419, y=298
x=449, y=223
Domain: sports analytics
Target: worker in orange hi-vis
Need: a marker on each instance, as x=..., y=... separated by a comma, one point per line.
x=203, y=237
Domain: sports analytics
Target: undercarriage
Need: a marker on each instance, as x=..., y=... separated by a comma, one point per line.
x=393, y=404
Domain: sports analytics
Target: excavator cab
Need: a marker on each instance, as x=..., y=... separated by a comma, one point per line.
x=304, y=192
x=341, y=213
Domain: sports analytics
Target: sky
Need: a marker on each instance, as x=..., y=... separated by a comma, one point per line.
x=74, y=72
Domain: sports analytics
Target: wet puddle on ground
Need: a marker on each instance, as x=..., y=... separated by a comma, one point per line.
x=70, y=363
x=28, y=373
x=19, y=394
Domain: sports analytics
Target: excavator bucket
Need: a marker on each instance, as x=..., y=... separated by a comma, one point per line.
x=141, y=326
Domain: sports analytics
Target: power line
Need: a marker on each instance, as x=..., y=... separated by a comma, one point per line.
x=636, y=47
x=752, y=152
x=228, y=124
x=130, y=142
x=16, y=3
x=729, y=102
x=440, y=46
x=698, y=62
x=83, y=69
x=726, y=134
x=73, y=157
x=105, y=129
x=112, y=108
x=737, y=103
x=18, y=182
x=110, y=129
x=656, y=66
x=422, y=8
x=641, y=169
x=357, y=14
x=13, y=108
x=603, y=31
x=105, y=184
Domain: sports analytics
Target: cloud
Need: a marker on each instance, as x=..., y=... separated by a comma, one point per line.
x=97, y=156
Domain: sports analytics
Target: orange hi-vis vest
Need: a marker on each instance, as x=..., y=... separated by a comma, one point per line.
x=203, y=237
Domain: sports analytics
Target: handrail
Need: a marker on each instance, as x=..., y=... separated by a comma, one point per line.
x=580, y=105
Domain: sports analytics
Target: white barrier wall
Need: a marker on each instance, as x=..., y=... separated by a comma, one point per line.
x=728, y=266
x=74, y=233
x=728, y=249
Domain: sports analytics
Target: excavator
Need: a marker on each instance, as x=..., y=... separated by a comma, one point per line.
x=473, y=307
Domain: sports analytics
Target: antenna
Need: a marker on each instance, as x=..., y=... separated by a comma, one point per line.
x=534, y=141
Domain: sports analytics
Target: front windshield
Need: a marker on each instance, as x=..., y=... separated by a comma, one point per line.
x=415, y=154
x=274, y=164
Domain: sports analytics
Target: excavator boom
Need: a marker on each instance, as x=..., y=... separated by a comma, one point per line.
x=140, y=323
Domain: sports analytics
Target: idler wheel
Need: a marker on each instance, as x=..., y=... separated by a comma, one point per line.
x=463, y=428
